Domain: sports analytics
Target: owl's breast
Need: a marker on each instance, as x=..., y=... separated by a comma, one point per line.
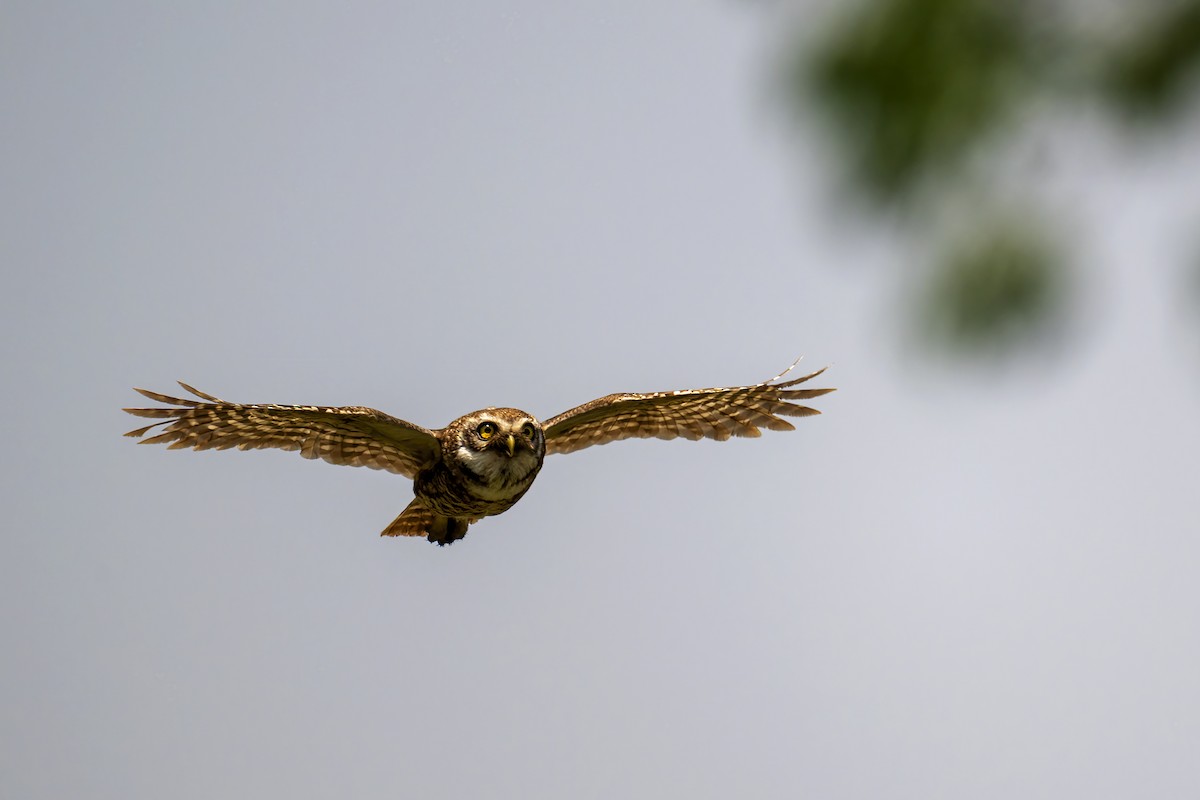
x=477, y=484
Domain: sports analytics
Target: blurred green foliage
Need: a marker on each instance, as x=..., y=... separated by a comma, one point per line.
x=1000, y=286
x=1150, y=74
x=913, y=85
x=914, y=90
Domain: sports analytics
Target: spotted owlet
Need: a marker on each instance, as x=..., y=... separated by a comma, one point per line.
x=481, y=463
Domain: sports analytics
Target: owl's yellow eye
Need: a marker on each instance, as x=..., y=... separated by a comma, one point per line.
x=528, y=430
x=487, y=430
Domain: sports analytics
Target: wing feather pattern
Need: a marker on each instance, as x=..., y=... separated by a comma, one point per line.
x=349, y=435
x=718, y=413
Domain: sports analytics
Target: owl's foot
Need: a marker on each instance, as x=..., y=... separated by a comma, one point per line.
x=447, y=530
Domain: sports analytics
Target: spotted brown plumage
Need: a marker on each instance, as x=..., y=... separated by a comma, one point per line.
x=688, y=413
x=482, y=463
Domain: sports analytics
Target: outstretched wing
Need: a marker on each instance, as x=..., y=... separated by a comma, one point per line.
x=689, y=413
x=356, y=437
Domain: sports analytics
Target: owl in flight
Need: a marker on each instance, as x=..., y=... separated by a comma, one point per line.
x=481, y=463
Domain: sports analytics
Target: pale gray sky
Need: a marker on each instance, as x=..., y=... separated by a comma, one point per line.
x=959, y=582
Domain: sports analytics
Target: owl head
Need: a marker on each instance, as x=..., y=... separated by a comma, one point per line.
x=501, y=447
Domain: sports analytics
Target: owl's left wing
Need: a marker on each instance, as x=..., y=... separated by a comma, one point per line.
x=688, y=413
x=349, y=435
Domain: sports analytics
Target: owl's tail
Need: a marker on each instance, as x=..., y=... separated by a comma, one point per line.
x=417, y=520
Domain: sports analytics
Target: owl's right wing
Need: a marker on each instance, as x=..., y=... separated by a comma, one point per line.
x=717, y=413
x=353, y=436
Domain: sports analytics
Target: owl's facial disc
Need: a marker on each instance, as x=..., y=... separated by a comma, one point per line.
x=502, y=449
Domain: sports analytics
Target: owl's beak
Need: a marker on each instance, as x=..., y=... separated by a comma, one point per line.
x=512, y=444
